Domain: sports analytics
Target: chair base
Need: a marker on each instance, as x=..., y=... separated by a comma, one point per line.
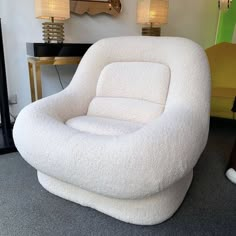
x=231, y=175
x=147, y=211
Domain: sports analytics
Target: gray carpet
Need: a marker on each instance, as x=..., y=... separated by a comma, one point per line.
x=209, y=208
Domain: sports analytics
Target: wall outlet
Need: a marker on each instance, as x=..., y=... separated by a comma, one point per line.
x=12, y=100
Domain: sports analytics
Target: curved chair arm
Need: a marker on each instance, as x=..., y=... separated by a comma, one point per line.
x=61, y=106
x=151, y=158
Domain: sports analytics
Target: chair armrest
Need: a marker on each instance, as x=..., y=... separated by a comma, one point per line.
x=148, y=160
x=62, y=106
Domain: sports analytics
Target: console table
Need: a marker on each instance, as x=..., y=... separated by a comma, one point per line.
x=50, y=54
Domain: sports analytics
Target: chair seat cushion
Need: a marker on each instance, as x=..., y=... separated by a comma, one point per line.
x=103, y=126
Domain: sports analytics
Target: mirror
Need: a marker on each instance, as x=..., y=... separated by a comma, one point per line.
x=80, y=7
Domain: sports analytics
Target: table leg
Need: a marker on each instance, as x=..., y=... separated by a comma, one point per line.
x=31, y=79
x=38, y=82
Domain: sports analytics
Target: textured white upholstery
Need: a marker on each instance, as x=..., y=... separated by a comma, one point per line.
x=137, y=211
x=103, y=126
x=134, y=91
x=125, y=109
x=130, y=166
x=140, y=80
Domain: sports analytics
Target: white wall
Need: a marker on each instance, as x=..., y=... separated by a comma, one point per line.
x=194, y=19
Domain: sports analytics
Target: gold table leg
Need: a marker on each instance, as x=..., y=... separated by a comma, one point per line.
x=35, y=81
x=31, y=79
x=34, y=65
x=38, y=81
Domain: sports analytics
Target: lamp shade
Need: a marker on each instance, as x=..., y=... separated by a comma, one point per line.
x=58, y=9
x=152, y=11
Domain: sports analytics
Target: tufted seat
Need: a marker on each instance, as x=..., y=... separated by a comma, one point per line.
x=124, y=136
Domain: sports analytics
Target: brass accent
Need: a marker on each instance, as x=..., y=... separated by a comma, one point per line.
x=229, y=3
x=80, y=7
x=31, y=77
x=151, y=31
x=38, y=80
x=53, y=31
x=34, y=65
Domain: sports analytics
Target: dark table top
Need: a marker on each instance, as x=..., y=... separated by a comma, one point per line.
x=57, y=49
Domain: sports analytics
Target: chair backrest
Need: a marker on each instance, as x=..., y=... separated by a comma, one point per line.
x=138, y=78
x=134, y=91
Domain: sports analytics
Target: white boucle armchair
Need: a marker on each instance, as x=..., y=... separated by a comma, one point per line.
x=124, y=136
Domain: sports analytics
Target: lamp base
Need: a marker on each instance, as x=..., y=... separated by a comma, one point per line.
x=224, y=5
x=53, y=32
x=151, y=31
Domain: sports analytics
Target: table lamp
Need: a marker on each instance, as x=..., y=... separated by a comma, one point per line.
x=154, y=13
x=52, y=10
x=224, y=5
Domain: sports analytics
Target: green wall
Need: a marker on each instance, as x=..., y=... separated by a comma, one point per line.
x=227, y=23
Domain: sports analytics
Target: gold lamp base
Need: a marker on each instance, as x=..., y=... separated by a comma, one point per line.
x=151, y=31
x=226, y=4
x=53, y=32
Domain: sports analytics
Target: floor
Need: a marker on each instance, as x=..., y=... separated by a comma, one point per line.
x=209, y=208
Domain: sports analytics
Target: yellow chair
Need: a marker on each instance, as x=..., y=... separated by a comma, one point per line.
x=222, y=59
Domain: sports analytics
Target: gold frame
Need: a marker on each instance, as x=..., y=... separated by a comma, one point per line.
x=80, y=7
